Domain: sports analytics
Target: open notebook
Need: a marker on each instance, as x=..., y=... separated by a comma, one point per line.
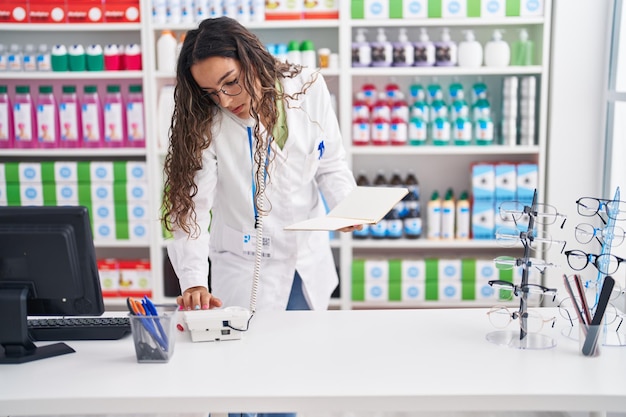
x=364, y=205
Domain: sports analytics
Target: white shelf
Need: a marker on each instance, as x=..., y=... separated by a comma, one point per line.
x=74, y=153
x=424, y=244
x=265, y=25
x=443, y=71
x=444, y=150
x=121, y=244
x=72, y=75
x=71, y=27
x=506, y=21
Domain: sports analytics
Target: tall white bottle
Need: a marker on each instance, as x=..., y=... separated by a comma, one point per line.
x=470, y=51
x=166, y=51
x=497, y=51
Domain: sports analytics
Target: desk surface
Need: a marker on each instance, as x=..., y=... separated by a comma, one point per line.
x=374, y=360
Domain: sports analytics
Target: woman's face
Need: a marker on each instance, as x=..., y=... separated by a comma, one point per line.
x=221, y=79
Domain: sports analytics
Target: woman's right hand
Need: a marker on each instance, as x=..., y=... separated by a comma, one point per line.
x=197, y=298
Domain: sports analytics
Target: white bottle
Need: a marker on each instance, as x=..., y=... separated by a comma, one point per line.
x=403, y=51
x=30, y=57
x=446, y=50
x=166, y=51
x=43, y=58
x=424, y=54
x=382, y=51
x=361, y=50
x=497, y=51
x=15, y=61
x=470, y=51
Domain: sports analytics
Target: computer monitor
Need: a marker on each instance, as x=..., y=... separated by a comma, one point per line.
x=47, y=268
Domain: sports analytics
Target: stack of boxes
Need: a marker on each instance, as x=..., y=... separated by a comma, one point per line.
x=495, y=183
x=69, y=11
x=426, y=280
x=125, y=278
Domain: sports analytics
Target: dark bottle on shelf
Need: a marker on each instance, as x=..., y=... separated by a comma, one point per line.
x=379, y=230
x=412, y=221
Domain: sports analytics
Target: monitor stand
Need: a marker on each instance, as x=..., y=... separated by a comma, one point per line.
x=15, y=344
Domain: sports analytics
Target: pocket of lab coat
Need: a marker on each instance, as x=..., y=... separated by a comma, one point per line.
x=311, y=163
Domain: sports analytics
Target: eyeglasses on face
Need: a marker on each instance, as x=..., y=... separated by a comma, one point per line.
x=534, y=293
x=231, y=89
x=605, y=263
x=517, y=212
x=540, y=242
x=585, y=232
x=509, y=262
x=590, y=206
x=530, y=321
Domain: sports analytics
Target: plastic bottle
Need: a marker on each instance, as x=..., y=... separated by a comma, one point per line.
x=361, y=131
x=448, y=212
x=361, y=50
x=186, y=11
x=59, y=58
x=413, y=218
x=24, y=126
x=462, y=131
x=470, y=51
x=463, y=217
x=403, y=50
x=440, y=131
x=397, y=181
x=4, y=58
x=417, y=131
x=293, y=53
x=417, y=92
x=445, y=50
x=132, y=57
x=382, y=50
x=30, y=57
x=308, y=54
x=434, y=217
x=165, y=109
x=159, y=11
x=424, y=50
x=379, y=230
x=15, y=60
x=47, y=118
x=135, y=132
x=77, y=58
x=91, y=118
x=362, y=181
x=497, y=51
x=484, y=130
x=44, y=59
x=94, y=57
x=112, y=59
x=166, y=52
x=174, y=12
x=6, y=119
x=114, y=118
x=523, y=50
x=69, y=118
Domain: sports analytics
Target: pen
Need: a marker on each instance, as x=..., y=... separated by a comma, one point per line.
x=138, y=310
x=151, y=309
x=579, y=314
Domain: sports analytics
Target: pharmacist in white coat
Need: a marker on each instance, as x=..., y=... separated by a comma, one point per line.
x=252, y=140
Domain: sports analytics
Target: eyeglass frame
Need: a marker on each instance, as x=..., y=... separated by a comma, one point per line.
x=601, y=202
x=528, y=211
x=594, y=260
x=523, y=288
x=523, y=262
x=603, y=235
x=525, y=237
x=214, y=95
x=515, y=315
x=574, y=318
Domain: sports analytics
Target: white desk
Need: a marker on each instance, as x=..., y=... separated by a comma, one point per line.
x=382, y=360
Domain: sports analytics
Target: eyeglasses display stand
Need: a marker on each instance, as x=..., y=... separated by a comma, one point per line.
x=523, y=339
x=613, y=331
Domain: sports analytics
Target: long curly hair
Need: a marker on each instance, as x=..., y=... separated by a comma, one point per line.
x=194, y=111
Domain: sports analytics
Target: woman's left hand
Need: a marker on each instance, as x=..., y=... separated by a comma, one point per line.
x=352, y=228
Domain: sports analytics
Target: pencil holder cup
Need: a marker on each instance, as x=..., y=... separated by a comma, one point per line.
x=589, y=340
x=154, y=336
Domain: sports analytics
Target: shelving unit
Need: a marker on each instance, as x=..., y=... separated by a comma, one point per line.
x=436, y=167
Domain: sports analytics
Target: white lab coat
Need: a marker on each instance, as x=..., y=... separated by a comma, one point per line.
x=297, y=175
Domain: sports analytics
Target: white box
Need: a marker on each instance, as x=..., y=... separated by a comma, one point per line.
x=136, y=171
x=415, y=9
x=531, y=8
x=29, y=172
x=103, y=212
x=136, y=191
x=65, y=171
x=138, y=230
x=413, y=291
x=413, y=270
x=102, y=193
x=449, y=270
x=449, y=290
x=31, y=194
x=104, y=230
x=483, y=220
x=138, y=211
x=527, y=181
x=492, y=9
x=66, y=194
x=376, y=271
x=3, y=194
x=506, y=181
x=376, y=291
x=376, y=9
x=483, y=181
x=453, y=9
x=101, y=171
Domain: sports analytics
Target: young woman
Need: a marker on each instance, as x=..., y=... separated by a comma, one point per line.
x=254, y=143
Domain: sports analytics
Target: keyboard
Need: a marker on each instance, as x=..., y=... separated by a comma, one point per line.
x=78, y=328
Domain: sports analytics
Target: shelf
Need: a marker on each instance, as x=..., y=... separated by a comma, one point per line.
x=444, y=150
x=71, y=27
x=506, y=21
x=168, y=75
x=430, y=304
x=69, y=75
x=443, y=71
x=425, y=244
x=265, y=25
x=121, y=244
x=74, y=153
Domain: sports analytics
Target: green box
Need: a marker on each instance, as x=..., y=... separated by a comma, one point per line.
x=357, y=9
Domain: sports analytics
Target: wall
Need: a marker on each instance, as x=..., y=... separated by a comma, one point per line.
x=576, y=114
